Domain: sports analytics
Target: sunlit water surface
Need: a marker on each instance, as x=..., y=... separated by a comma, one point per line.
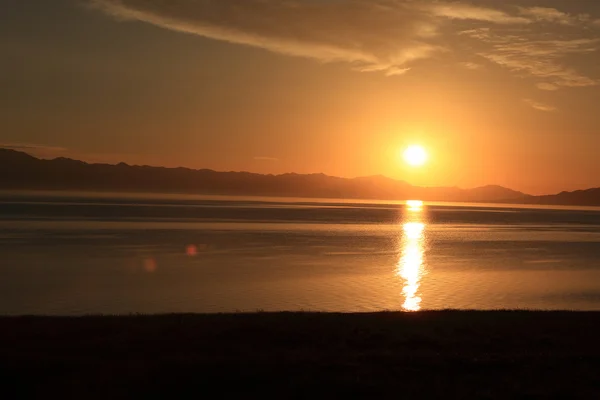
x=90, y=254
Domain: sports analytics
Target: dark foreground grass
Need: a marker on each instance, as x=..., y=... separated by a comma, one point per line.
x=446, y=354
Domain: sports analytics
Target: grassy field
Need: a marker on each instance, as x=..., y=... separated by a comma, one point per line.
x=445, y=354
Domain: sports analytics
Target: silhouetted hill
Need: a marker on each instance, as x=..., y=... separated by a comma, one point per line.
x=19, y=170
x=589, y=197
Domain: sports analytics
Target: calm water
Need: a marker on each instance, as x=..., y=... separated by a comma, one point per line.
x=80, y=254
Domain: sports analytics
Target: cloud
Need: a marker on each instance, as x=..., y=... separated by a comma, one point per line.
x=539, y=106
x=540, y=58
x=384, y=35
x=547, y=86
x=375, y=35
x=546, y=14
x=38, y=150
x=470, y=65
x=477, y=33
x=465, y=11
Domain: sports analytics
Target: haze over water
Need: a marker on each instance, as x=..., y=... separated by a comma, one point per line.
x=88, y=254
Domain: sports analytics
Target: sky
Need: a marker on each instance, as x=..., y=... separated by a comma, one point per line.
x=498, y=92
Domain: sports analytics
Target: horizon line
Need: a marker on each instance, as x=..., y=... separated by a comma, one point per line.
x=291, y=173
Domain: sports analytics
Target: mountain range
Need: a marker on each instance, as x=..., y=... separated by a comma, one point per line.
x=21, y=171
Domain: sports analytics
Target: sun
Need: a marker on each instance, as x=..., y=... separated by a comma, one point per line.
x=415, y=155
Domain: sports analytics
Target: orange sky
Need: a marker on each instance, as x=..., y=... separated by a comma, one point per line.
x=499, y=93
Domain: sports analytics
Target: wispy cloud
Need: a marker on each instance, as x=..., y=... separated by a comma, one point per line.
x=542, y=59
x=547, y=86
x=539, y=106
x=386, y=36
x=374, y=35
x=546, y=14
x=464, y=11
x=470, y=65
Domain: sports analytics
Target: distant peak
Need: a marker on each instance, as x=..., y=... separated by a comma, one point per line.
x=496, y=188
x=65, y=160
x=380, y=178
x=15, y=154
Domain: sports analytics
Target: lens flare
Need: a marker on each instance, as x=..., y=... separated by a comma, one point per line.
x=150, y=265
x=191, y=250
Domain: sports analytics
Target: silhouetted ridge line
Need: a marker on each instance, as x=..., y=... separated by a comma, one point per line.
x=22, y=171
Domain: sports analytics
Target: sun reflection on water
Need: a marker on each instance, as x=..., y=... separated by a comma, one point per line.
x=414, y=205
x=411, y=263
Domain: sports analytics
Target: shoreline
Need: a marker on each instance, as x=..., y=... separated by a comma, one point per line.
x=491, y=354
x=500, y=203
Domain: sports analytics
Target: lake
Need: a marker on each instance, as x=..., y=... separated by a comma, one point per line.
x=77, y=253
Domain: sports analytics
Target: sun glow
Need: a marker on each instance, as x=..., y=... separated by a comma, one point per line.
x=415, y=155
